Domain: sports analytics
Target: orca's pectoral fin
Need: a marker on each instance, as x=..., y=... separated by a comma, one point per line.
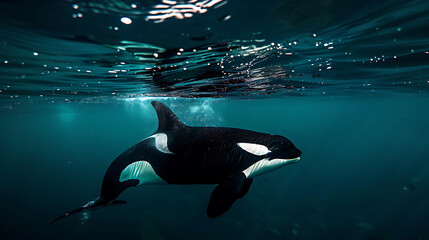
x=245, y=187
x=226, y=193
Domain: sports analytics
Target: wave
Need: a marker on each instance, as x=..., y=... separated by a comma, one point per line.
x=378, y=51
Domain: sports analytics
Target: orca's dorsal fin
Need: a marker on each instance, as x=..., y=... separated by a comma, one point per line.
x=167, y=120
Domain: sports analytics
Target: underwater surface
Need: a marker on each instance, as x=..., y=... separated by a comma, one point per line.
x=346, y=81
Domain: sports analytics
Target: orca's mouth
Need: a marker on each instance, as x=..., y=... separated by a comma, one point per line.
x=285, y=160
x=293, y=159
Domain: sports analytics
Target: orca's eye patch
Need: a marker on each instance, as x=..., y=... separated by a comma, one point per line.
x=254, y=148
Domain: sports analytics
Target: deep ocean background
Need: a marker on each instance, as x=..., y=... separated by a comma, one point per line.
x=345, y=80
x=358, y=154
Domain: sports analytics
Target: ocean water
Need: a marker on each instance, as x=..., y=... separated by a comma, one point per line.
x=346, y=81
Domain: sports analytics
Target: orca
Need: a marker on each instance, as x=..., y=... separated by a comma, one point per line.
x=181, y=154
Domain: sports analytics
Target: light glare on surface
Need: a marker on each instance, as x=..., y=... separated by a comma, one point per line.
x=126, y=20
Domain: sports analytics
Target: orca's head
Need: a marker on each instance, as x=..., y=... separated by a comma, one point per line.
x=271, y=152
x=283, y=149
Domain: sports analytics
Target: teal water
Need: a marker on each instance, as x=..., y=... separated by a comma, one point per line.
x=346, y=81
x=358, y=154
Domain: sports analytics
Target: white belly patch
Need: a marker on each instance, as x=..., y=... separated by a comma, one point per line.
x=161, y=142
x=142, y=171
x=264, y=165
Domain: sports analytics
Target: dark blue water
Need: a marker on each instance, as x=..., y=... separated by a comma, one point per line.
x=346, y=81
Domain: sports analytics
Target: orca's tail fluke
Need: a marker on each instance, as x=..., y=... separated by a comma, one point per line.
x=91, y=205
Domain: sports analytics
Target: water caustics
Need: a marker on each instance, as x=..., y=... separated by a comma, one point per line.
x=169, y=9
x=118, y=50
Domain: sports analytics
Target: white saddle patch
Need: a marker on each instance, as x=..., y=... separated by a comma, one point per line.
x=264, y=165
x=253, y=148
x=142, y=171
x=161, y=142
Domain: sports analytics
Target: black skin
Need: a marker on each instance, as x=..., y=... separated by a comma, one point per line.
x=202, y=155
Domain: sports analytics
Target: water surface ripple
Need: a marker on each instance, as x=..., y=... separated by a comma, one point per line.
x=75, y=50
